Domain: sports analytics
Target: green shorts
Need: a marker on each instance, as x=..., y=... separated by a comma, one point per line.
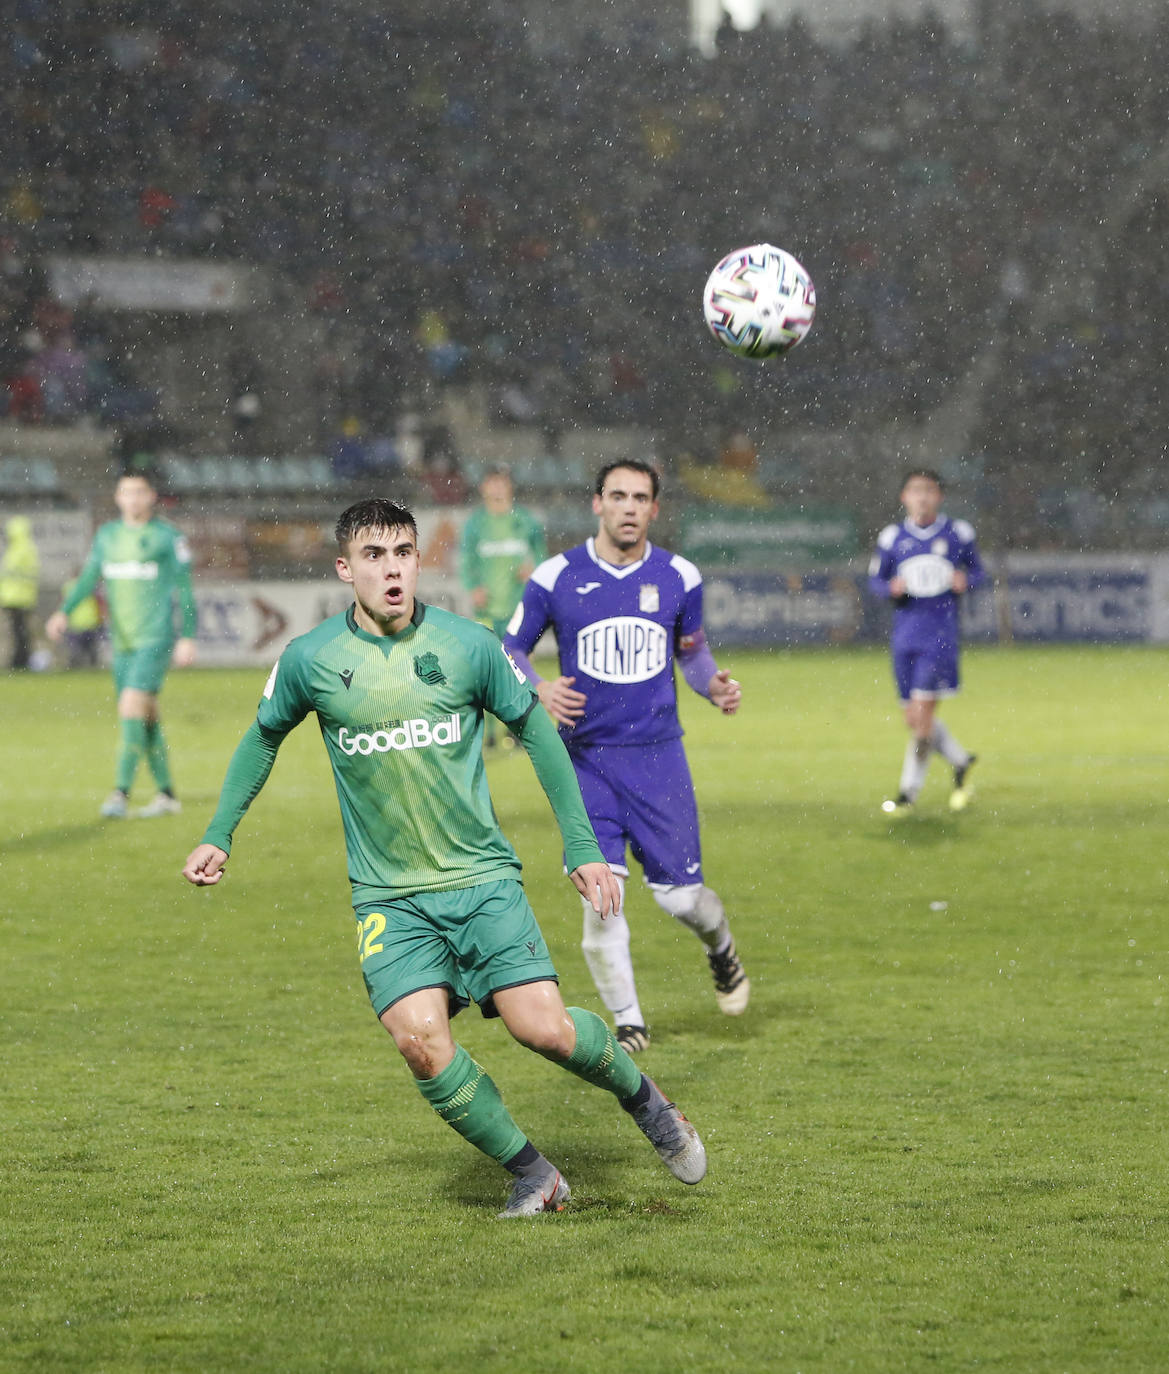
x=474, y=941
x=143, y=669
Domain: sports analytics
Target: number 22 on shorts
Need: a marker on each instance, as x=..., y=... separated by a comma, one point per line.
x=369, y=929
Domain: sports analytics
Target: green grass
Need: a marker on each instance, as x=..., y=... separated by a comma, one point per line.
x=935, y=1138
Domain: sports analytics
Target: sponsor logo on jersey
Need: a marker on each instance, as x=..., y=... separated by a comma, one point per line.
x=649, y=599
x=503, y=548
x=927, y=574
x=346, y=677
x=427, y=668
x=405, y=734
x=130, y=571
x=623, y=649
x=586, y=587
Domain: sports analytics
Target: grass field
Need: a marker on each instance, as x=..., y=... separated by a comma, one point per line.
x=936, y=1138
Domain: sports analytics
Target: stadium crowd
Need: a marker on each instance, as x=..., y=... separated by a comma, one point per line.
x=461, y=210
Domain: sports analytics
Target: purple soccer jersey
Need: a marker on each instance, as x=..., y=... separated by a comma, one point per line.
x=925, y=620
x=617, y=631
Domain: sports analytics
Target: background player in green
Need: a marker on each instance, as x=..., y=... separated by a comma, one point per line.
x=502, y=544
x=399, y=689
x=145, y=565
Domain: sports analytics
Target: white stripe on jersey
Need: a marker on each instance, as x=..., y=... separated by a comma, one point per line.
x=686, y=570
x=546, y=574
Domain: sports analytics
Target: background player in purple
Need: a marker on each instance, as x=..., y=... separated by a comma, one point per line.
x=923, y=565
x=622, y=612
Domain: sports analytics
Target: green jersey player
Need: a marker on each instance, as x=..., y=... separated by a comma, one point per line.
x=501, y=545
x=399, y=689
x=144, y=564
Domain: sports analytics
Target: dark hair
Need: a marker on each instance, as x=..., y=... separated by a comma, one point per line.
x=634, y=465
x=928, y=473
x=374, y=513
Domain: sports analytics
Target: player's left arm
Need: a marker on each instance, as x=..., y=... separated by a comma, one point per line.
x=695, y=659
x=704, y=676
x=969, y=574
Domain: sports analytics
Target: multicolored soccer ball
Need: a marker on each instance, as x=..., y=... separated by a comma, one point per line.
x=759, y=302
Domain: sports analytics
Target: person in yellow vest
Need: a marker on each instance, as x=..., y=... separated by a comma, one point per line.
x=20, y=572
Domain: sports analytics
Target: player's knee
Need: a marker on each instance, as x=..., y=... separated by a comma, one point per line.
x=425, y=1055
x=426, y=1045
x=695, y=905
x=554, y=1037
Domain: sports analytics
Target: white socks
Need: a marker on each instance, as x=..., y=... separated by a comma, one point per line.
x=948, y=746
x=917, y=757
x=606, y=944
x=606, y=950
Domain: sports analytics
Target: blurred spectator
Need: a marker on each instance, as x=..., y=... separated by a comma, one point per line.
x=20, y=571
x=541, y=232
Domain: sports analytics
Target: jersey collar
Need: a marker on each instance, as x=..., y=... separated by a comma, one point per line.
x=928, y=533
x=415, y=620
x=611, y=569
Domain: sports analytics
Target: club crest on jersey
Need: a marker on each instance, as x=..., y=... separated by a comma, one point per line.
x=939, y=546
x=649, y=598
x=426, y=667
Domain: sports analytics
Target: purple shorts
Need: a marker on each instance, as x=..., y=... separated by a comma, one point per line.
x=931, y=672
x=641, y=795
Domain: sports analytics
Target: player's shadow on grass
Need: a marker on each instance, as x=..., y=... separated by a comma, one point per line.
x=919, y=832
x=59, y=837
x=605, y=1181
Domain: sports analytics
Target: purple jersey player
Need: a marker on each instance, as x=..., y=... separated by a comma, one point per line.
x=923, y=566
x=622, y=612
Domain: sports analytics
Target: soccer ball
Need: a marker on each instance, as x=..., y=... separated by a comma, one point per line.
x=759, y=302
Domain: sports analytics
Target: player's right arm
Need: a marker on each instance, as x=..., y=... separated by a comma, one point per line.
x=883, y=579
x=84, y=586
x=471, y=572
x=284, y=704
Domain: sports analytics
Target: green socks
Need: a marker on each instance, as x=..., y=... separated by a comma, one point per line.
x=599, y=1059
x=130, y=750
x=469, y=1102
x=157, y=756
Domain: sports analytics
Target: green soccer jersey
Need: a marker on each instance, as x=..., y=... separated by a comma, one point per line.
x=402, y=721
x=494, y=548
x=146, y=569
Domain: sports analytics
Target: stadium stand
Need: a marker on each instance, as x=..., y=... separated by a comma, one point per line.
x=536, y=241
